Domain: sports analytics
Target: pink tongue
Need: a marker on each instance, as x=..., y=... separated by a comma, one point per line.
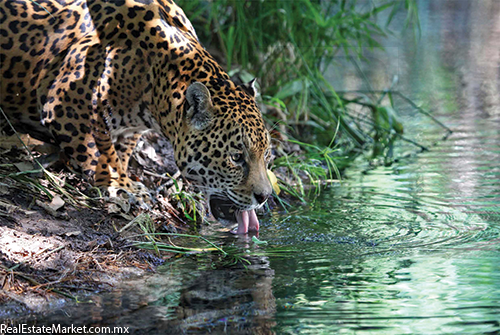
x=247, y=221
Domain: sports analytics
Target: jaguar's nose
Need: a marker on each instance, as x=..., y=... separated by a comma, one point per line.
x=261, y=197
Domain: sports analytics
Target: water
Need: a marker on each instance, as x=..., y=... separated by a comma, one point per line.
x=410, y=248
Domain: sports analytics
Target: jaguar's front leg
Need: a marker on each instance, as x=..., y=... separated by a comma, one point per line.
x=111, y=173
x=103, y=162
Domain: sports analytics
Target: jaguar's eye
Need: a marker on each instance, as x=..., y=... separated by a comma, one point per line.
x=237, y=158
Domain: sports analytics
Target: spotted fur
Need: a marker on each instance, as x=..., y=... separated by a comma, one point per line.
x=92, y=76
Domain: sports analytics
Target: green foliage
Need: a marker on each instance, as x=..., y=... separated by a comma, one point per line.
x=190, y=203
x=162, y=243
x=289, y=45
x=315, y=163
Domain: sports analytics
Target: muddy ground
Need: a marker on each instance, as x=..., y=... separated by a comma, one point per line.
x=60, y=245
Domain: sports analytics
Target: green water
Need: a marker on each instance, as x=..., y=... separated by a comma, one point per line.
x=413, y=248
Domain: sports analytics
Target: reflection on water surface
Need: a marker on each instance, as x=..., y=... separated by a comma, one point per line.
x=411, y=248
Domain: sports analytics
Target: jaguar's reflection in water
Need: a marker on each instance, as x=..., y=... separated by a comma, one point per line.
x=237, y=301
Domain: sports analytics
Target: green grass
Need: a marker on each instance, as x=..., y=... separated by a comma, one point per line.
x=288, y=45
x=162, y=243
x=191, y=204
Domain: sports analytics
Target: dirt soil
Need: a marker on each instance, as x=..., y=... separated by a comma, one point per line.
x=57, y=246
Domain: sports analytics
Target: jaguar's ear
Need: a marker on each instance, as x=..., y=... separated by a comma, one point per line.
x=250, y=88
x=199, y=108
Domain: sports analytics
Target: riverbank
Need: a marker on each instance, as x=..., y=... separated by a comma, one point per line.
x=58, y=244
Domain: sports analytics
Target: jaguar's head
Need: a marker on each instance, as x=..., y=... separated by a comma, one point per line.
x=224, y=149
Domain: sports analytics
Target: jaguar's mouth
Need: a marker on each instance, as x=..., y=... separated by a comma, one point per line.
x=226, y=211
x=223, y=209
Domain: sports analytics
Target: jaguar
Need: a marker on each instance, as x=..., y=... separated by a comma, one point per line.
x=92, y=76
